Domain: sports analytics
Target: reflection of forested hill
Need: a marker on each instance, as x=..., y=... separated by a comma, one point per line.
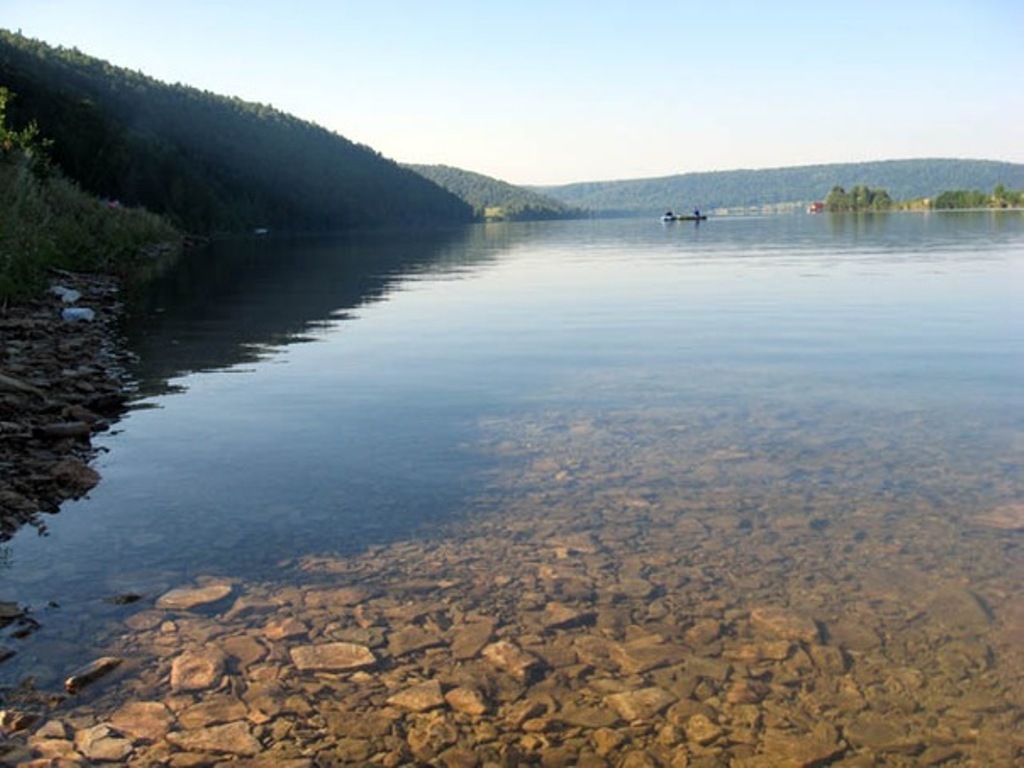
x=902, y=179
x=228, y=303
x=209, y=162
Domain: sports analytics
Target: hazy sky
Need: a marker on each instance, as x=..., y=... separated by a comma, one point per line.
x=553, y=91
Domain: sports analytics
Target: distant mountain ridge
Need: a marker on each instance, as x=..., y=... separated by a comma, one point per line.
x=495, y=199
x=903, y=179
x=208, y=162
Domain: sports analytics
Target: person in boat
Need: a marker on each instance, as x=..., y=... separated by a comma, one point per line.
x=696, y=213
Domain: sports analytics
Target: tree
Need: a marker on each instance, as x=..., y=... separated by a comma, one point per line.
x=26, y=140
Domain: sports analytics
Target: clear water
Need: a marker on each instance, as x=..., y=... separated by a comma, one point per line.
x=318, y=396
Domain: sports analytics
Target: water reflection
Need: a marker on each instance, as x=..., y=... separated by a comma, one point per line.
x=232, y=301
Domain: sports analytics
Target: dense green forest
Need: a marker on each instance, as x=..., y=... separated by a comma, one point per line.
x=208, y=162
x=902, y=179
x=495, y=199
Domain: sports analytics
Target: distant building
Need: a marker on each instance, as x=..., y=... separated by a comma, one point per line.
x=816, y=208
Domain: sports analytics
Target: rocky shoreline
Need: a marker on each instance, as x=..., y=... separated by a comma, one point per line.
x=61, y=381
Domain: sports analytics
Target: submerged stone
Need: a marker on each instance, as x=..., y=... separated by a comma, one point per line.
x=197, y=670
x=102, y=744
x=642, y=704
x=468, y=700
x=332, y=657
x=419, y=698
x=1008, y=517
x=143, y=720
x=184, y=598
x=785, y=624
x=230, y=738
x=512, y=659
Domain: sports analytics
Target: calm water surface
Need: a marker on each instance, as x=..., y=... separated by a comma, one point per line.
x=317, y=396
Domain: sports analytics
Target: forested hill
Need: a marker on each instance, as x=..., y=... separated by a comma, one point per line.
x=902, y=179
x=209, y=162
x=495, y=199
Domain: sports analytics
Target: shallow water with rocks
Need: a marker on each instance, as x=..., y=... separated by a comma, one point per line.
x=746, y=493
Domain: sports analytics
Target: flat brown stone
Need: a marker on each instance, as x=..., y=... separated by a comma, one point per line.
x=588, y=716
x=419, y=698
x=1008, y=517
x=561, y=616
x=218, y=709
x=184, y=598
x=230, y=738
x=283, y=629
x=143, y=720
x=468, y=700
x=641, y=704
x=803, y=750
x=101, y=744
x=343, y=596
x=410, y=639
x=785, y=624
x=644, y=655
x=470, y=638
x=332, y=657
x=197, y=670
x=880, y=734
x=511, y=658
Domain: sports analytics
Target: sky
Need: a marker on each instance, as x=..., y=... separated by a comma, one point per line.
x=561, y=91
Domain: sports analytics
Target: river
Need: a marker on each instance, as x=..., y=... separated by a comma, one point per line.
x=798, y=429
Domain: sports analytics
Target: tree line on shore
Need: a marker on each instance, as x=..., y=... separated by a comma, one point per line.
x=798, y=186
x=863, y=198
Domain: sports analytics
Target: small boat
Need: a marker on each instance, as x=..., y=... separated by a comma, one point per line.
x=695, y=216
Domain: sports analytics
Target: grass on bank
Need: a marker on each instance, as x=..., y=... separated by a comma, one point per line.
x=47, y=221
